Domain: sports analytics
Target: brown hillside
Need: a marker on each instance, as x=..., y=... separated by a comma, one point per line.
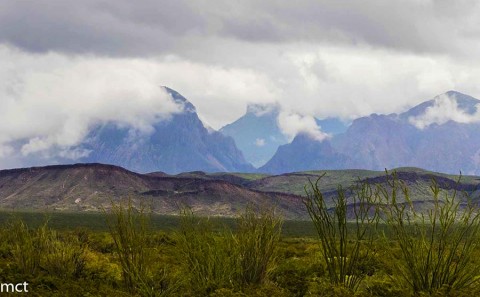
x=92, y=187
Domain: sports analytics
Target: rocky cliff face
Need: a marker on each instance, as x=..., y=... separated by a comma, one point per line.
x=179, y=144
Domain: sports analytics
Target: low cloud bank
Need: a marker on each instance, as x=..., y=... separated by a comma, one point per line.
x=445, y=108
x=51, y=101
x=292, y=124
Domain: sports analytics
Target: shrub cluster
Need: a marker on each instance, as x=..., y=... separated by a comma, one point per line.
x=224, y=259
x=437, y=244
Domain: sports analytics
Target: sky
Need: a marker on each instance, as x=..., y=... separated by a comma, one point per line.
x=68, y=65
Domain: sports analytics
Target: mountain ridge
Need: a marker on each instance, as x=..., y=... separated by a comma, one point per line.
x=182, y=143
x=94, y=187
x=388, y=141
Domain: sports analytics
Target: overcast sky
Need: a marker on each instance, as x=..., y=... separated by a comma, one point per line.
x=66, y=65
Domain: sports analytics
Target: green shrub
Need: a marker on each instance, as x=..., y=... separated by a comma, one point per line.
x=63, y=257
x=437, y=245
x=384, y=286
x=295, y=274
x=267, y=289
x=27, y=246
x=215, y=260
x=42, y=250
x=344, y=247
x=208, y=259
x=325, y=288
x=130, y=230
x=257, y=241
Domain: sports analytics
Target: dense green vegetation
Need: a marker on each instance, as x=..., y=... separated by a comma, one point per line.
x=94, y=221
x=369, y=244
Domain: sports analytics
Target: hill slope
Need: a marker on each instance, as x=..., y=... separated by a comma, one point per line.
x=92, y=187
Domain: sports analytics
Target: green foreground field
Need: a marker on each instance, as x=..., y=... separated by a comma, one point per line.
x=95, y=221
x=84, y=259
x=377, y=241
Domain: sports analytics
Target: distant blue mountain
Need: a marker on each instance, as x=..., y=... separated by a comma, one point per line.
x=258, y=136
x=432, y=135
x=332, y=126
x=304, y=154
x=179, y=144
x=377, y=142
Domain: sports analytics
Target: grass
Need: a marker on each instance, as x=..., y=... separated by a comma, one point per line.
x=96, y=222
x=298, y=268
x=247, y=176
x=294, y=183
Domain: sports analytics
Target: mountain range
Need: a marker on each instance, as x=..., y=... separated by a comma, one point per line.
x=184, y=162
x=183, y=143
x=439, y=135
x=420, y=137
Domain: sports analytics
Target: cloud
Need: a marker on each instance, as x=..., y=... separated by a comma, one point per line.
x=5, y=150
x=74, y=92
x=52, y=101
x=125, y=28
x=262, y=109
x=445, y=108
x=66, y=65
x=341, y=60
x=322, y=81
x=292, y=124
x=118, y=28
x=220, y=94
x=259, y=142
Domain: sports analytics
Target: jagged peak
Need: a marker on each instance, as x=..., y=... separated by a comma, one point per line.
x=179, y=99
x=463, y=101
x=456, y=93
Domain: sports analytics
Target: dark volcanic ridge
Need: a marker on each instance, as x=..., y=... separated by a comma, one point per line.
x=93, y=187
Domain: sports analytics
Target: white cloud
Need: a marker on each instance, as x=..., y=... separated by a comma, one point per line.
x=292, y=124
x=97, y=63
x=259, y=142
x=445, y=108
x=5, y=150
x=262, y=109
x=52, y=100
x=74, y=154
x=220, y=94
